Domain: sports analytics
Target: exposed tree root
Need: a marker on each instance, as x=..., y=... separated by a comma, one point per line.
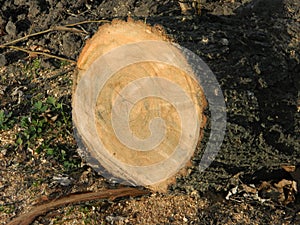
x=111, y=194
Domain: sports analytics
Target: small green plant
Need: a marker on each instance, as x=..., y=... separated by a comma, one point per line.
x=40, y=107
x=5, y=120
x=7, y=209
x=46, y=128
x=32, y=68
x=36, y=64
x=64, y=63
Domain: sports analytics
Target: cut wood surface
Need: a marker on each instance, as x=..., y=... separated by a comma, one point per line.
x=137, y=106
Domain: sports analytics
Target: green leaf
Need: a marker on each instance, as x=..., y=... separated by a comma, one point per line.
x=59, y=106
x=38, y=105
x=50, y=151
x=24, y=122
x=51, y=100
x=4, y=120
x=19, y=141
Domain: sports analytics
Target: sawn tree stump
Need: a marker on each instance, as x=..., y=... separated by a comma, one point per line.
x=137, y=106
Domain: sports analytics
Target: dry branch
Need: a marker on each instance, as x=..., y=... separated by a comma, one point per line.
x=41, y=53
x=28, y=218
x=66, y=27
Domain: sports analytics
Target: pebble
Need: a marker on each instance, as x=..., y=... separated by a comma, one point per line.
x=224, y=41
x=113, y=219
x=62, y=180
x=3, y=60
x=11, y=28
x=2, y=89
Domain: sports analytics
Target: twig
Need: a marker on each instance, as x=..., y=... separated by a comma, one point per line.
x=65, y=28
x=112, y=194
x=25, y=37
x=54, y=28
x=59, y=74
x=87, y=21
x=41, y=53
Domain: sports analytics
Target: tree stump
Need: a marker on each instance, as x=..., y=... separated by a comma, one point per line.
x=137, y=106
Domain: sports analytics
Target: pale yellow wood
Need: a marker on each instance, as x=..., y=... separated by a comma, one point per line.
x=101, y=101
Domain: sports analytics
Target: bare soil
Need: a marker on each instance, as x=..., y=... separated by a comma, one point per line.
x=252, y=46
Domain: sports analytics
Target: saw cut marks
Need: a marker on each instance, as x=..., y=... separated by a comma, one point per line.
x=137, y=106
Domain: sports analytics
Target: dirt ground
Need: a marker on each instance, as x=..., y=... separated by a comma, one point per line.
x=252, y=46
